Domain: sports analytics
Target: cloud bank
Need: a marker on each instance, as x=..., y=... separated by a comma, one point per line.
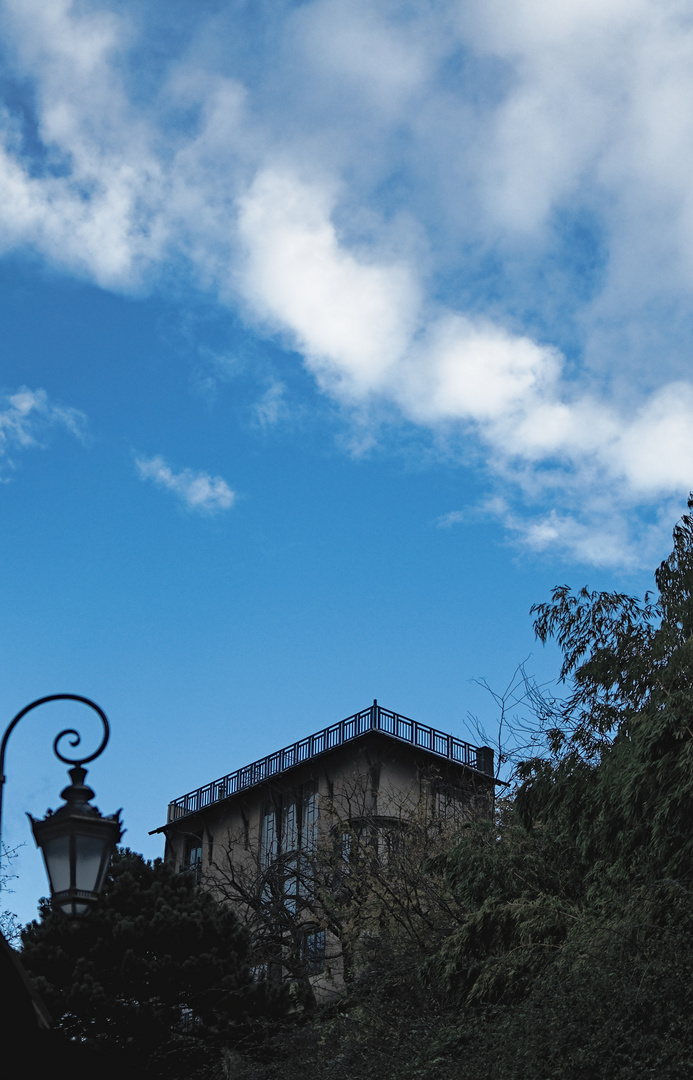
x=197, y=491
x=364, y=331
x=477, y=215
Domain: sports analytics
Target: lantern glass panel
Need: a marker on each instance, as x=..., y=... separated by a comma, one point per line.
x=56, y=853
x=105, y=863
x=89, y=855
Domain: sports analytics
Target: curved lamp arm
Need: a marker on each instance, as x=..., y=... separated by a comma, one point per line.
x=75, y=737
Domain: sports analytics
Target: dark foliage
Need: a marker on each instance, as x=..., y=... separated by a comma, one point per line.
x=568, y=952
x=157, y=972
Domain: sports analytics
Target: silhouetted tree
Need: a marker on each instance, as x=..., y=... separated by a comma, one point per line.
x=10, y=926
x=569, y=950
x=158, y=970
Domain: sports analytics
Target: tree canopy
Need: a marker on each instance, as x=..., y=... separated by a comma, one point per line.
x=157, y=971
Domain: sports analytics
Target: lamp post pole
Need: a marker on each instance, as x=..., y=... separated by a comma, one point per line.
x=76, y=841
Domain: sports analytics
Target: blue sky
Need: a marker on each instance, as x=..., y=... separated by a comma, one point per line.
x=333, y=336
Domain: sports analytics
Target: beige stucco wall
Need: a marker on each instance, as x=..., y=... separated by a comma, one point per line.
x=373, y=779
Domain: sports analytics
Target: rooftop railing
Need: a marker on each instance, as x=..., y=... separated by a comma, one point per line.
x=479, y=758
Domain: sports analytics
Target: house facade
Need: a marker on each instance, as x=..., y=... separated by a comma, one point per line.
x=287, y=837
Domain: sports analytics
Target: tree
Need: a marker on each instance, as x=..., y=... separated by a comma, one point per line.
x=568, y=949
x=622, y=763
x=9, y=923
x=158, y=971
x=577, y=946
x=366, y=883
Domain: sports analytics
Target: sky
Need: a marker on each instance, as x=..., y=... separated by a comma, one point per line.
x=333, y=335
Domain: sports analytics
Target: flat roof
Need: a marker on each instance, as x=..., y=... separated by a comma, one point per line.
x=373, y=719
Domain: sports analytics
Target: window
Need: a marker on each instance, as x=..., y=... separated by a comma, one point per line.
x=345, y=850
x=270, y=838
x=313, y=952
x=451, y=804
x=390, y=843
x=268, y=969
x=289, y=839
x=188, y=1020
x=290, y=824
x=192, y=858
x=309, y=818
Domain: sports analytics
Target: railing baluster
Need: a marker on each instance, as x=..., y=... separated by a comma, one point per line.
x=374, y=719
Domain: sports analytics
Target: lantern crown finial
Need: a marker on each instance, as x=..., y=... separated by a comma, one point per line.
x=77, y=793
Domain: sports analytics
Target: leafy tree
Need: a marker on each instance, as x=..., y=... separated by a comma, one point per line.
x=157, y=971
x=624, y=657
x=577, y=947
x=567, y=949
x=621, y=777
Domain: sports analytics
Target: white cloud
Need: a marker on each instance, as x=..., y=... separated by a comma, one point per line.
x=196, y=490
x=26, y=418
x=352, y=192
x=355, y=319
x=453, y=517
x=350, y=316
x=465, y=370
x=599, y=531
x=272, y=405
x=358, y=45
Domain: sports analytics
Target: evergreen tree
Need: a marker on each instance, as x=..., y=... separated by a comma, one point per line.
x=157, y=971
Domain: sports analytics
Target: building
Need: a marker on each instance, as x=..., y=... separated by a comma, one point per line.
x=284, y=837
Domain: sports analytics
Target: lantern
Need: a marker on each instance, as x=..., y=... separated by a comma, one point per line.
x=76, y=842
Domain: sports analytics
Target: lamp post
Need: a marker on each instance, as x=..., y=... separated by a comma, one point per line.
x=76, y=841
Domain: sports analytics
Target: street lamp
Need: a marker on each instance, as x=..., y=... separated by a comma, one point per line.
x=76, y=841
